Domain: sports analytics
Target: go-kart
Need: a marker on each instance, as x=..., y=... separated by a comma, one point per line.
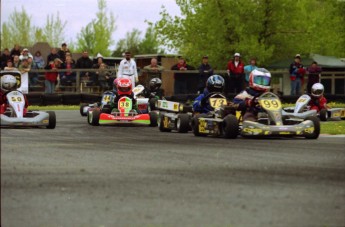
x=271, y=122
x=15, y=114
x=173, y=116
x=123, y=114
x=302, y=110
x=222, y=121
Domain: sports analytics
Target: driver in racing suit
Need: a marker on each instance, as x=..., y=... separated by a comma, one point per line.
x=124, y=88
x=8, y=84
x=259, y=83
x=318, y=101
x=154, y=90
x=214, y=84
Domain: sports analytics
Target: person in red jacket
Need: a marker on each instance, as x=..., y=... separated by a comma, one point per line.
x=236, y=73
x=51, y=76
x=318, y=101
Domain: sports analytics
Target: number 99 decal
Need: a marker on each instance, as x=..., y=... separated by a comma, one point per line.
x=270, y=104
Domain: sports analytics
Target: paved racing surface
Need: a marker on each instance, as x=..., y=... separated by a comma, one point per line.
x=81, y=175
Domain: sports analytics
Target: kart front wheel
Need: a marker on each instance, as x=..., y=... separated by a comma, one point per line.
x=52, y=120
x=323, y=115
x=182, y=123
x=316, y=132
x=82, y=106
x=230, y=127
x=195, y=125
x=93, y=117
x=153, y=119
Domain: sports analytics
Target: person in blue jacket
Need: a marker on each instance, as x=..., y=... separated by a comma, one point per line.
x=214, y=84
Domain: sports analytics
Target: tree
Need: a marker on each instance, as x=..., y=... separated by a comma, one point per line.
x=96, y=37
x=150, y=45
x=53, y=31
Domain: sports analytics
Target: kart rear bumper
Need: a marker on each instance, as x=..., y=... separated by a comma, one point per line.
x=42, y=119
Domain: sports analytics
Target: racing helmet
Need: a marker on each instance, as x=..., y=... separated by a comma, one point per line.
x=260, y=79
x=317, y=90
x=155, y=84
x=124, y=86
x=8, y=83
x=215, y=83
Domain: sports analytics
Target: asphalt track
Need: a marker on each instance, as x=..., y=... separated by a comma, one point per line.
x=81, y=175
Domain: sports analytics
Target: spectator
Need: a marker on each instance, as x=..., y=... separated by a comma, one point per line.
x=84, y=62
x=16, y=61
x=297, y=73
x=9, y=66
x=180, y=85
x=70, y=54
x=38, y=60
x=24, y=66
x=205, y=71
x=236, y=73
x=248, y=69
x=128, y=69
x=33, y=76
x=153, y=71
x=4, y=58
x=15, y=51
x=68, y=77
x=62, y=52
x=314, y=75
x=52, y=75
x=52, y=56
x=103, y=76
x=25, y=54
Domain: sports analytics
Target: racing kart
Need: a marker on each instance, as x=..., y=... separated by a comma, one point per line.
x=123, y=114
x=222, y=121
x=302, y=110
x=173, y=116
x=15, y=114
x=272, y=123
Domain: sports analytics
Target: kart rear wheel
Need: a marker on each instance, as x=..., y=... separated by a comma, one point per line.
x=195, y=125
x=161, y=124
x=153, y=119
x=182, y=123
x=82, y=110
x=230, y=126
x=94, y=117
x=316, y=123
x=323, y=115
x=152, y=104
x=52, y=120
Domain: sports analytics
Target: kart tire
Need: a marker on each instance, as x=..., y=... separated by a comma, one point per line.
x=82, y=110
x=52, y=120
x=152, y=104
x=94, y=118
x=316, y=132
x=182, y=123
x=230, y=127
x=195, y=125
x=323, y=115
x=161, y=124
x=153, y=119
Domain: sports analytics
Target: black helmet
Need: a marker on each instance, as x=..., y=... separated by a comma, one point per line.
x=215, y=83
x=155, y=84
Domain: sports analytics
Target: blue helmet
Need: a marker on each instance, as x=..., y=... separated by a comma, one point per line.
x=215, y=83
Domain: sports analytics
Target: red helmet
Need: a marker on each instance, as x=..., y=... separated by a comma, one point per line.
x=124, y=86
x=260, y=80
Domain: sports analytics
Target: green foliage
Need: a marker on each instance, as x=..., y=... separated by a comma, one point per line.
x=96, y=36
x=53, y=31
x=266, y=29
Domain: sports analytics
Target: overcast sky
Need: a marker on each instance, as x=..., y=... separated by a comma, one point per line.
x=129, y=14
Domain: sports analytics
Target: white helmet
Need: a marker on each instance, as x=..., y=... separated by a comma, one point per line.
x=317, y=90
x=260, y=79
x=8, y=83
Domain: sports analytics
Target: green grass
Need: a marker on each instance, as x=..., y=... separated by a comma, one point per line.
x=333, y=127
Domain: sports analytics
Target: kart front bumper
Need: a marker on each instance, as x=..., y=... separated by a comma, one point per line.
x=42, y=119
x=109, y=119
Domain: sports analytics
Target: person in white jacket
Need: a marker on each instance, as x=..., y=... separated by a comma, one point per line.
x=128, y=69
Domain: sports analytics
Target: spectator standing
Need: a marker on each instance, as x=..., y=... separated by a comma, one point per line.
x=314, y=75
x=68, y=53
x=205, y=71
x=236, y=74
x=9, y=66
x=15, y=51
x=52, y=75
x=52, y=56
x=16, y=61
x=33, y=76
x=153, y=71
x=5, y=57
x=128, y=69
x=248, y=69
x=69, y=77
x=180, y=85
x=84, y=62
x=297, y=73
x=25, y=54
x=62, y=52
x=24, y=66
x=103, y=75
x=38, y=60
